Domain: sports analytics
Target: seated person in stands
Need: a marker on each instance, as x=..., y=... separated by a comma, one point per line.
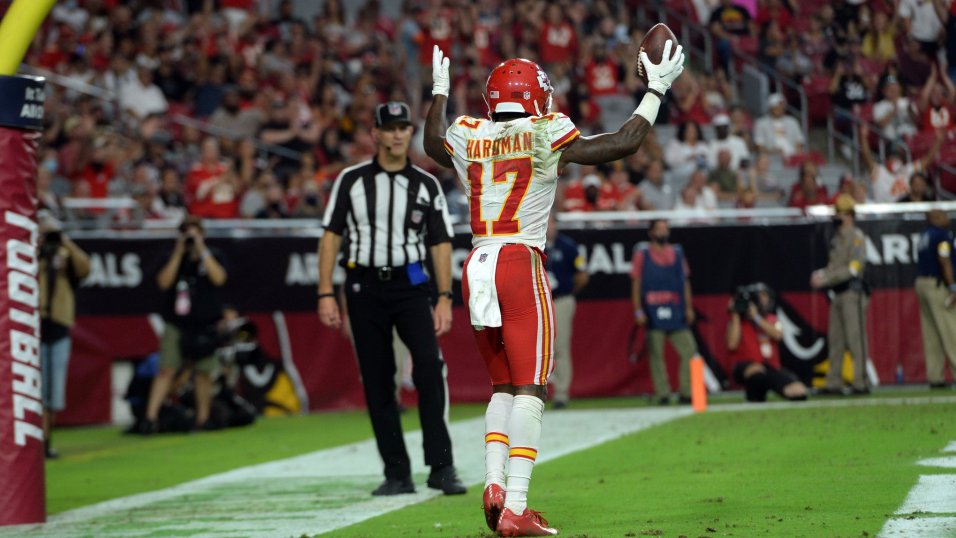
x=893, y=113
x=920, y=190
x=687, y=150
x=593, y=192
x=807, y=191
x=760, y=178
x=778, y=132
x=752, y=337
x=852, y=188
x=723, y=179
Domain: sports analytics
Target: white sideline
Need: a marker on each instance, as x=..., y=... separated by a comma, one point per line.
x=932, y=494
x=357, y=466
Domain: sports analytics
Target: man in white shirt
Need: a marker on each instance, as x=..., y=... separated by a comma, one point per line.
x=723, y=139
x=890, y=179
x=777, y=132
x=923, y=22
x=893, y=113
x=140, y=97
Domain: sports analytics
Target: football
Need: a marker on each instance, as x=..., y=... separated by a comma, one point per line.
x=653, y=45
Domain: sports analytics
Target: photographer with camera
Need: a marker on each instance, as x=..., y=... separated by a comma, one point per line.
x=752, y=337
x=191, y=279
x=61, y=266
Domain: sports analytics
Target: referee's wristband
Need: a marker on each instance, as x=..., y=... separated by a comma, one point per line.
x=324, y=295
x=447, y=293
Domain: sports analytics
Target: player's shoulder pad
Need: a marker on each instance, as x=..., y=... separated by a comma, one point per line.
x=562, y=129
x=468, y=122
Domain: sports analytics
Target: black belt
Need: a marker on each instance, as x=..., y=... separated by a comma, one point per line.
x=854, y=284
x=940, y=283
x=381, y=273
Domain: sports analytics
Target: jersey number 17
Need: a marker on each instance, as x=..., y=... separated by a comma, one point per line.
x=516, y=171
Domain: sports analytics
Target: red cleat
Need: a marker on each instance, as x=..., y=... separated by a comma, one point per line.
x=530, y=523
x=493, y=501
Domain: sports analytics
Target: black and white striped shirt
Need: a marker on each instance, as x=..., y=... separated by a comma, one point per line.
x=390, y=217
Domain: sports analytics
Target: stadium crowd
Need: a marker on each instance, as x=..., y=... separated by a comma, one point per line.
x=250, y=108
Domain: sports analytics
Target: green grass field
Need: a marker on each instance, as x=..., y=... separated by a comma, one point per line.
x=798, y=470
x=97, y=464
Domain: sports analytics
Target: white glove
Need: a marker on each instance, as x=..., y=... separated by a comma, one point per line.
x=440, y=82
x=660, y=76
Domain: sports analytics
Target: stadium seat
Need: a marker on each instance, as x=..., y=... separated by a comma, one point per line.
x=920, y=143
x=947, y=155
x=683, y=7
x=818, y=98
x=747, y=45
x=797, y=159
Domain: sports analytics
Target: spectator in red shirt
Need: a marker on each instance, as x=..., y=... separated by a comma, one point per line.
x=591, y=193
x=438, y=28
x=605, y=77
x=774, y=10
x=602, y=73
x=211, y=186
x=806, y=191
x=688, y=98
x=558, y=41
x=99, y=171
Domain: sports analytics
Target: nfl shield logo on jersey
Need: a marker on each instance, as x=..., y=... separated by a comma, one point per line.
x=527, y=95
x=416, y=216
x=482, y=258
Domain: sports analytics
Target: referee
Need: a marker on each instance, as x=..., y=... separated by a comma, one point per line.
x=392, y=210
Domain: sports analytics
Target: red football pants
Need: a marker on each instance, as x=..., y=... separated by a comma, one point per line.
x=521, y=351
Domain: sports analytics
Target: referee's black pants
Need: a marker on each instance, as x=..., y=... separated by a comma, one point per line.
x=375, y=306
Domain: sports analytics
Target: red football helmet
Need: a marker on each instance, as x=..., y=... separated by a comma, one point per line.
x=518, y=85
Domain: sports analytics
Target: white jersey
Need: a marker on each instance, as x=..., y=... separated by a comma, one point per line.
x=509, y=170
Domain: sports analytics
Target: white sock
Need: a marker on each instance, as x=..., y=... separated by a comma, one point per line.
x=524, y=429
x=496, y=437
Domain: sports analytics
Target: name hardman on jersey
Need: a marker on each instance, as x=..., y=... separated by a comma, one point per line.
x=509, y=171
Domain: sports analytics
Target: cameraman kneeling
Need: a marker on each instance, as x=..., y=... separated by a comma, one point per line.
x=752, y=337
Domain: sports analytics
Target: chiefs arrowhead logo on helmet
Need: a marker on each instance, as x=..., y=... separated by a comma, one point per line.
x=518, y=85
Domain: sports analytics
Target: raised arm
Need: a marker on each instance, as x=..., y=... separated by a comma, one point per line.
x=436, y=122
x=930, y=156
x=927, y=90
x=865, y=151
x=609, y=147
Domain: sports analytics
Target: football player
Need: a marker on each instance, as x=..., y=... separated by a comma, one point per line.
x=508, y=165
